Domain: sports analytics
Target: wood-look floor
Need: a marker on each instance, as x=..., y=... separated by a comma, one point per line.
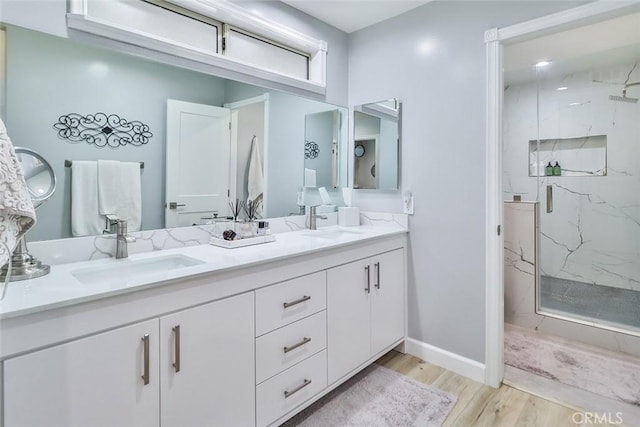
x=480, y=405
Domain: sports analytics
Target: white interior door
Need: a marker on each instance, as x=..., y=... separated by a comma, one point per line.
x=197, y=163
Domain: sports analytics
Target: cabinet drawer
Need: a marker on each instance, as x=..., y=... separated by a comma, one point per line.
x=284, y=347
x=271, y=402
x=286, y=302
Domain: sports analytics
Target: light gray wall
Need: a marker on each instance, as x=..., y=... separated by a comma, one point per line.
x=49, y=76
x=433, y=59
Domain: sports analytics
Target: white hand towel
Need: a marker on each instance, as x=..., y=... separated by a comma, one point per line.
x=17, y=214
x=109, y=186
x=255, y=180
x=85, y=216
x=130, y=201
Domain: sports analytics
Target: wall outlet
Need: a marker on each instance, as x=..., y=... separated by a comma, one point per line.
x=407, y=202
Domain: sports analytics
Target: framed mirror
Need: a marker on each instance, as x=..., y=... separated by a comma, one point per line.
x=376, y=136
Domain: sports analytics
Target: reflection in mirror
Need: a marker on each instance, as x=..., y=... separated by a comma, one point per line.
x=48, y=77
x=321, y=137
x=376, y=145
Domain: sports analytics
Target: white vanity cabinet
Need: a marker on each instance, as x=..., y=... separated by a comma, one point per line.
x=366, y=310
x=249, y=346
x=95, y=381
x=191, y=367
x=207, y=364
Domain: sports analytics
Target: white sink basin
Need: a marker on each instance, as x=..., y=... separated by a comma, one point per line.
x=129, y=269
x=332, y=233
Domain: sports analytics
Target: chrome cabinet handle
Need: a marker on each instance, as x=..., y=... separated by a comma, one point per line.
x=297, y=389
x=296, y=302
x=145, y=375
x=293, y=347
x=377, y=265
x=368, y=288
x=176, y=347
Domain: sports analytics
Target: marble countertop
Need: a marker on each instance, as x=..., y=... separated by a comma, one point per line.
x=62, y=288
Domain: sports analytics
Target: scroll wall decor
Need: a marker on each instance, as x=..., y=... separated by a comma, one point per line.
x=102, y=130
x=311, y=150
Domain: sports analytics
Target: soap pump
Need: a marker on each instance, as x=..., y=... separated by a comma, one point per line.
x=557, y=170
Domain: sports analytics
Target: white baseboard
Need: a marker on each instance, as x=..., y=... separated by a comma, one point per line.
x=451, y=361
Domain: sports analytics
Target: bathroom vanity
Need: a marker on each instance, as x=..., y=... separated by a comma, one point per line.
x=202, y=335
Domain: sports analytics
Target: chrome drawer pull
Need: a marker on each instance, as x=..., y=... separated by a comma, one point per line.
x=293, y=347
x=145, y=375
x=377, y=265
x=297, y=389
x=176, y=349
x=296, y=302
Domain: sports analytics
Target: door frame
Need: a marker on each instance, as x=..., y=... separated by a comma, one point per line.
x=495, y=39
x=234, y=106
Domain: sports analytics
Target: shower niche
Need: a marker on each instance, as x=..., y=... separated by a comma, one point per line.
x=580, y=156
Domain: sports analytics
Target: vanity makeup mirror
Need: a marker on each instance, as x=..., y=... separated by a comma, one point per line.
x=48, y=77
x=41, y=184
x=376, y=132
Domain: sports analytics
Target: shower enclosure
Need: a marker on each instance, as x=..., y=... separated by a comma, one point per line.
x=572, y=143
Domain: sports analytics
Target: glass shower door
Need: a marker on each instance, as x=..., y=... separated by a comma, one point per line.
x=589, y=221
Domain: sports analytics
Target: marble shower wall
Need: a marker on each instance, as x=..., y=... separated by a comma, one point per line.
x=593, y=233
x=519, y=287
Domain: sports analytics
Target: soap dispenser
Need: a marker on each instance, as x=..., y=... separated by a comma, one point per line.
x=557, y=171
x=548, y=171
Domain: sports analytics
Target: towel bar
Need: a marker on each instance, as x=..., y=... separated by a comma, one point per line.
x=68, y=163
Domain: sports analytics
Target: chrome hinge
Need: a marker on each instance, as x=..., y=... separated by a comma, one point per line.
x=499, y=230
x=224, y=44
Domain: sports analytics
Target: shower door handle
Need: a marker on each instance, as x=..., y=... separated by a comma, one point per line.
x=549, y=198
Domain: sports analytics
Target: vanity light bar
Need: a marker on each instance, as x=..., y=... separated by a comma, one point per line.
x=68, y=163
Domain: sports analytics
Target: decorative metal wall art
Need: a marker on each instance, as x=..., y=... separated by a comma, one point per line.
x=102, y=130
x=311, y=150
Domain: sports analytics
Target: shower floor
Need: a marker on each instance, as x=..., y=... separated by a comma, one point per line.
x=603, y=304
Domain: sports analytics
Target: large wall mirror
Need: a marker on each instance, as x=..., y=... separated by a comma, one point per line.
x=376, y=136
x=48, y=77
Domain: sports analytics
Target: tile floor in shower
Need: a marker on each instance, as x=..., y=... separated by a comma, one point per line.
x=602, y=304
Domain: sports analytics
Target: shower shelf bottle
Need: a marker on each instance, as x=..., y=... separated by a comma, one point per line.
x=548, y=171
x=557, y=170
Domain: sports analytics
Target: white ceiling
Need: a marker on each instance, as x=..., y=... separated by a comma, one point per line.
x=612, y=42
x=353, y=15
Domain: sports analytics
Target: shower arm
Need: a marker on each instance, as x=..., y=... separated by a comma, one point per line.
x=626, y=86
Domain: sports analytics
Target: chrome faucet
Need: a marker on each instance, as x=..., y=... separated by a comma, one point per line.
x=122, y=239
x=313, y=217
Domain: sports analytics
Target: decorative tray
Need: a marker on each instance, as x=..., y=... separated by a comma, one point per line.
x=230, y=244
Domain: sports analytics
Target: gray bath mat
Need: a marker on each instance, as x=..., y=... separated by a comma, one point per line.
x=598, y=371
x=378, y=396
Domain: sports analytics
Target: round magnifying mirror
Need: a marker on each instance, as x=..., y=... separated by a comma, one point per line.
x=41, y=184
x=38, y=174
x=359, y=150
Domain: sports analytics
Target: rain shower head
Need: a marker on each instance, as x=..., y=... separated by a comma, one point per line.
x=624, y=97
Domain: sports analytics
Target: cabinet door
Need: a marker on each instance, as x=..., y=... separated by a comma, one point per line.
x=214, y=382
x=348, y=317
x=388, y=300
x=95, y=381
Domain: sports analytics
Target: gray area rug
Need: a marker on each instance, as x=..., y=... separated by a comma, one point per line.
x=595, y=370
x=378, y=396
